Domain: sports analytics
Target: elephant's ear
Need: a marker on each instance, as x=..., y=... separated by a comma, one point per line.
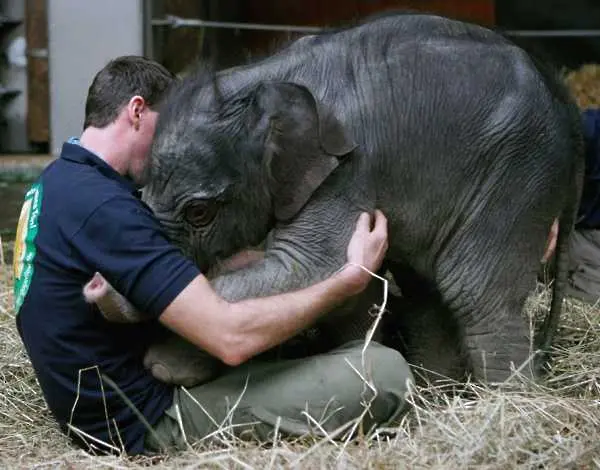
x=303, y=144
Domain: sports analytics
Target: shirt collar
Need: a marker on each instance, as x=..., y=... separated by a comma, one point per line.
x=73, y=151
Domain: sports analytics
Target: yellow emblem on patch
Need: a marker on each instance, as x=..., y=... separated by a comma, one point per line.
x=25, y=251
x=19, y=251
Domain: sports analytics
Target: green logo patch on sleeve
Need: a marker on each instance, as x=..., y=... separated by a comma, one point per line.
x=24, y=253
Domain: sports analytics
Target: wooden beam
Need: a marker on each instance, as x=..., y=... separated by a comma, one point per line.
x=38, y=101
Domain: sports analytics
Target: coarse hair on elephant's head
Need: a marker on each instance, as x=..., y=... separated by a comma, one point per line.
x=229, y=162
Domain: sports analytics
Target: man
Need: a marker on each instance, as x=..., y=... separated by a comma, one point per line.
x=83, y=216
x=584, y=243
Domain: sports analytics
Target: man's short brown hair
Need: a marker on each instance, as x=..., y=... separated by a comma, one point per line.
x=120, y=80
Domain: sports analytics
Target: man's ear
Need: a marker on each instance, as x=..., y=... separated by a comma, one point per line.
x=303, y=145
x=136, y=105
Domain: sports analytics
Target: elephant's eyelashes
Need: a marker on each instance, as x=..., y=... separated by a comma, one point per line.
x=199, y=214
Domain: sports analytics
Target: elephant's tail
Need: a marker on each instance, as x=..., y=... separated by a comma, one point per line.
x=566, y=223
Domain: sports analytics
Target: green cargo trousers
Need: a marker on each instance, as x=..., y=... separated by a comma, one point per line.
x=294, y=398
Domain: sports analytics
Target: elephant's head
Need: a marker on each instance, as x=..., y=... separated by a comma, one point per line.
x=227, y=165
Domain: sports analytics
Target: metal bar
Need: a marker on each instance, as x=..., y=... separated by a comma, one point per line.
x=177, y=22
x=38, y=53
x=555, y=33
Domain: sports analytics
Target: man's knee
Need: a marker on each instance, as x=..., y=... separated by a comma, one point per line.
x=382, y=369
x=384, y=363
x=380, y=366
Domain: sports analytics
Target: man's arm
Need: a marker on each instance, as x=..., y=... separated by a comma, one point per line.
x=235, y=332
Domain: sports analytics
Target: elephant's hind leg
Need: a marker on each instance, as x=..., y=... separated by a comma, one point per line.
x=485, y=282
x=424, y=330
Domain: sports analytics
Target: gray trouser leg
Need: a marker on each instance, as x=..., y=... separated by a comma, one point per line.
x=254, y=399
x=584, y=265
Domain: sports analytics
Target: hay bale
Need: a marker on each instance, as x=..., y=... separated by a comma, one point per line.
x=584, y=84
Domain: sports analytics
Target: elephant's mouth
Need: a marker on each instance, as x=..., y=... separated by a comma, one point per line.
x=204, y=268
x=203, y=264
x=214, y=266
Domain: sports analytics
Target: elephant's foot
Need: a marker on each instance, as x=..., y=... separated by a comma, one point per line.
x=113, y=306
x=496, y=355
x=178, y=362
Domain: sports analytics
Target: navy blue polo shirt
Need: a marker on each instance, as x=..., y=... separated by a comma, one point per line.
x=78, y=218
x=589, y=207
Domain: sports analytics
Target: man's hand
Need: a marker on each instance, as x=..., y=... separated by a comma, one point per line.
x=369, y=242
x=367, y=248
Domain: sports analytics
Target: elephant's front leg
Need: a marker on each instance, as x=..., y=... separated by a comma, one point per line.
x=298, y=257
x=175, y=360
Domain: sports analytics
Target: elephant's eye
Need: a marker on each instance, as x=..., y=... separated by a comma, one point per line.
x=200, y=213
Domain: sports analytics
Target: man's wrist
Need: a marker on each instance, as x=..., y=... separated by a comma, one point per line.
x=355, y=278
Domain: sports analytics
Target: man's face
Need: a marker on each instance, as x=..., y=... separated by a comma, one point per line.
x=143, y=142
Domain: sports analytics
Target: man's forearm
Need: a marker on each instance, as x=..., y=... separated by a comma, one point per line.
x=266, y=322
x=235, y=332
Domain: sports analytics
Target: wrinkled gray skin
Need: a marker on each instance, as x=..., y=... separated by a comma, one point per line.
x=469, y=148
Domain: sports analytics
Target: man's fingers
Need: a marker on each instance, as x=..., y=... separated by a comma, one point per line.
x=364, y=221
x=380, y=231
x=376, y=224
x=380, y=225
